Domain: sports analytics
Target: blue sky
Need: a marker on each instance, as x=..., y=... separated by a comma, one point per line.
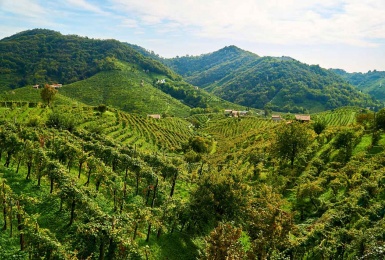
x=347, y=34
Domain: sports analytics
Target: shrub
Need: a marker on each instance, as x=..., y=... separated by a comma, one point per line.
x=61, y=121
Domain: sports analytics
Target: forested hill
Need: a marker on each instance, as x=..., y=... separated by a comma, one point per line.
x=99, y=71
x=280, y=83
x=204, y=69
x=41, y=55
x=372, y=82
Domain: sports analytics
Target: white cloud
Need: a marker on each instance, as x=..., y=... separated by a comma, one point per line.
x=281, y=22
x=129, y=23
x=84, y=5
x=24, y=8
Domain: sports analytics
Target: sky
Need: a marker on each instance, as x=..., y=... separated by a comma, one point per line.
x=346, y=34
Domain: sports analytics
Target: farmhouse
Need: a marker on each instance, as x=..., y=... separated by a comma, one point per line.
x=276, y=118
x=302, y=118
x=156, y=116
x=228, y=111
x=35, y=86
x=243, y=113
x=234, y=113
x=56, y=85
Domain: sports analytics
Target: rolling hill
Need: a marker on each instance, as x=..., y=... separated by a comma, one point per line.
x=372, y=82
x=282, y=84
x=98, y=72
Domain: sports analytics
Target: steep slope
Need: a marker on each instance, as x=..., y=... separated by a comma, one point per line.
x=372, y=82
x=280, y=83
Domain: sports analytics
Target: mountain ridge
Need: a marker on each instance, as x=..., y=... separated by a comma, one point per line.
x=280, y=83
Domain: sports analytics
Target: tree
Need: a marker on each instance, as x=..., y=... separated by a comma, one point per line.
x=345, y=142
x=48, y=94
x=13, y=145
x=380, y=119
x=365, y=119
x=54, y=171
x=268, y=223
x=224, y=243
x=319, y=126
x=39, y=162
x=198, y=144
x=101, y=108
x=219, y=197
x=291, y=140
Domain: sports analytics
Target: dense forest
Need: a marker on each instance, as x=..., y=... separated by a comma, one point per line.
x=282, y=84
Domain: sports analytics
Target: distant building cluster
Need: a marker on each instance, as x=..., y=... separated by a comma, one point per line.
x=299, y=118
x=235, y=113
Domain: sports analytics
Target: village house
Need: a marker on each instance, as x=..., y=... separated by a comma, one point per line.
x=276, y=118
x=35, y=86
x=228, y=112
x=56, y=86
x=243, y=113
x=234, y=113
x=156, y=116
x=302, y=118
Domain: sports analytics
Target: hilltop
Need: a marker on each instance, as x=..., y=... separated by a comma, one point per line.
x=281, y=83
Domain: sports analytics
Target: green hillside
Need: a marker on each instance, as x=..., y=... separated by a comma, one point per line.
x=372, y=82
x=42, y=56
x=98, y=72
x=282, y=84
x=128, y=89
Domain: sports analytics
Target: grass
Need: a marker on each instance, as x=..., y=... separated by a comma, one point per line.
x=173, y=247
x=363, y=145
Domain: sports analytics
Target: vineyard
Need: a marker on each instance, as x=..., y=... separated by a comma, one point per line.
x=31, y=95
x=128, y=88
x=338, y=117
x=129, y=129
x=233, y=127
x=81, y=186
x=83, y=182
x=144, y=132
